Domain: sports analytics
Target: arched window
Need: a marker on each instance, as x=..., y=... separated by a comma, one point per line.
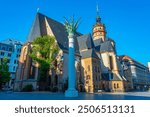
x=24, y=53
x=117, y=85
x=114, y=85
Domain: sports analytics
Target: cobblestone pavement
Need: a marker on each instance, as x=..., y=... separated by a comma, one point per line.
x=82, y=96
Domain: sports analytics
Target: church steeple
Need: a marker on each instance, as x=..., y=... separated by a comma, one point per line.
x=99, y=31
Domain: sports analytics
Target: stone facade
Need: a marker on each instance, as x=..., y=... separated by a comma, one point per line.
x=91, y=74
x=27, y=71
x=97, y=64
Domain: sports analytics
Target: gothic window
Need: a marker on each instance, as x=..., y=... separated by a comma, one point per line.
x=32, y=72
x=111, y=62
x=24, y=53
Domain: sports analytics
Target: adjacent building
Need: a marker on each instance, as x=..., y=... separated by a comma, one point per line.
x=149, y=66
x=11, y=49
x=137, y=74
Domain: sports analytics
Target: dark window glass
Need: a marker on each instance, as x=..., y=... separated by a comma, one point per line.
x=2, y=53
x=9, y=54
x=14, y=68
x=111, y=62
x=10, y=49
x=3, y=48
x=8, y=61
x=15, y=61
x=115, y=86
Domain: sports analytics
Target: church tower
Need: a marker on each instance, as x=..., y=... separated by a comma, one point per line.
x=99, y=31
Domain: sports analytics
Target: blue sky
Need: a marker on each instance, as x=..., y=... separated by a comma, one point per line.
x=127, y=21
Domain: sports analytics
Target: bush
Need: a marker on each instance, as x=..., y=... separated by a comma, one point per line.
x=28, y=88
x=55, y=89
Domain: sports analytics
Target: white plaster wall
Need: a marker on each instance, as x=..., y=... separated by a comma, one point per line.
x=106, y=64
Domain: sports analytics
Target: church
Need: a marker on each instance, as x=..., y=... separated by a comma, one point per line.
x=96, y=61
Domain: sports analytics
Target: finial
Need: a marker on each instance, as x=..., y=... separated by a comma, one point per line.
x=97, y=9
x=38, y=9
x=98, y=19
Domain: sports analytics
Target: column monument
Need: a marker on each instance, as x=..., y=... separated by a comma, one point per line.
x=71, y=27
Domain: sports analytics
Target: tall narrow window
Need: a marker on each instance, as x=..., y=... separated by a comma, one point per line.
x=111, y=62
x=88, y=67
x=117, y=85
x=114, y=86
x=96, y=77
x=15, y=61
x=2, y=53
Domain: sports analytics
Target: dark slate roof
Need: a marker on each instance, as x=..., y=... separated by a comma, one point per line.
x=105, y=76
x=97, y=42
x=106, y=47
x=58, y=29
x=89, y=53
x=97, y=48
x=36, y=28
x=116, y=78
x=85, y=42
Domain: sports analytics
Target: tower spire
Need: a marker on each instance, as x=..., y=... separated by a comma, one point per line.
x=38, y=9
x=98, y=19
x=97, y=9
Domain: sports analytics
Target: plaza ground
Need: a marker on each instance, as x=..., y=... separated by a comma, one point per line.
x=82, y=96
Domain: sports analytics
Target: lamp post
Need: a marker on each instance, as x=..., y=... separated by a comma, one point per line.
x=71, y=28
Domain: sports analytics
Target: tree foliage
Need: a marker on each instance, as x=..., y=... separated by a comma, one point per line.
x=44, y=51
x=4, y=72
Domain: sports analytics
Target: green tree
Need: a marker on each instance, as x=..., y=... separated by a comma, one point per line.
x=44, y=52
x=4, y=72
